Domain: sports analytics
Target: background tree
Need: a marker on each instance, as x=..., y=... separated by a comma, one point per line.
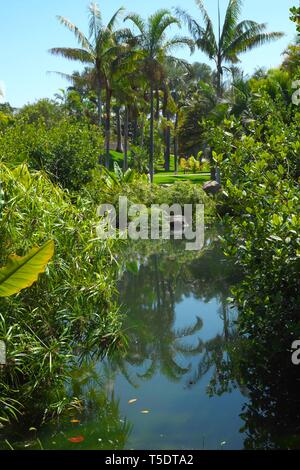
x=99, y=50
x=231, y=40
x=154, y=46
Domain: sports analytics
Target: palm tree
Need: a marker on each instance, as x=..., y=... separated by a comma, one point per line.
x=100, y=50
x=175, y=88
x=154, y=46
x=232, y=40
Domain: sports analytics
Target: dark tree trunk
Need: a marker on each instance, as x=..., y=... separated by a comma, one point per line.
x=119, y=146
x=135, y=126
x=176, y=143
x=219, y=78
x=99, y=98
x=212, y=166
x=167, y=132
x=99, y=107
x=142, y=131
x=107, y=127
x=167, y=146
x=157, y=104
x=126, y=125
x=151, y=149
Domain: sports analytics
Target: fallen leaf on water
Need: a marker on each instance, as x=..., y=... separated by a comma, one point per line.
x=145, y=412
x=223, y=443
x=133, y=400
x=75, y=421
x=76, y=439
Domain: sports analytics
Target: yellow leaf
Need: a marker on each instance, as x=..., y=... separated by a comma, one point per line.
x=145, y=412
x=22, y=272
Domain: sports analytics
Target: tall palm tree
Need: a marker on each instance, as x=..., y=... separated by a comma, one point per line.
x=155, y=47
x=100, y=49
x=175, y=87
x=232, y=39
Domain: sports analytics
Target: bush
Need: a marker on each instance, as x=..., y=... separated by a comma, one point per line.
x=67, y=151
x=69, y=311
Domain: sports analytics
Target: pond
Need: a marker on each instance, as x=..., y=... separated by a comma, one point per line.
x=162, y=393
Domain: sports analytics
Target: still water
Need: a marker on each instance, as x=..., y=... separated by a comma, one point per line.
x=164, y=392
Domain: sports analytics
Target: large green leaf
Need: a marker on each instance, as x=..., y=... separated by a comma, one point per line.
x=22, y=272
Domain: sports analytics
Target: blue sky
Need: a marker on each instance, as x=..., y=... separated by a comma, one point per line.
x=28, y=28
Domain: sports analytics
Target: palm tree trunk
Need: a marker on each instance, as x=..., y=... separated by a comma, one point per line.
x=219, y=78
x=99, y=106
x=157, y=104
x=99, y=109
x=125, y=162
x=135, y=125
x=107, y=127
x=176, y=143
x=119, y=146
x=99, y=97
x=167, y=132
x=142, y=130
x=168, y=146
x=151, y=149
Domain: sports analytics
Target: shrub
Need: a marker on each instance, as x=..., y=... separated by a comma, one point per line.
x=67, y=151
x=70, y=311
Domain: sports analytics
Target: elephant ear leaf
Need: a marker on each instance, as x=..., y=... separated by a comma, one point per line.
x=21, y=272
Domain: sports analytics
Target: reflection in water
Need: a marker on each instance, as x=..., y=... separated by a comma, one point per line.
x=151, y=295
x=201, y=384
x=178, y=325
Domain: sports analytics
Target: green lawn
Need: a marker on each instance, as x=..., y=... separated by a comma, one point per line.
x=162, y=177
x=169, y=178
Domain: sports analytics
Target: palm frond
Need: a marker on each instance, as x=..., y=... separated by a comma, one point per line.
x=249, y=39
x=207, y=41
x=111, y=24
x=261, y=39
x=124, y=35
x=231, y=19
x=179, y=41
x=194, y=28
x=207, y=46
x=83, y=41
x=209, y=29
x=246, y=25
x=158, y=24
x=138, y=21
x=95, y=19
x=66, y=76
x=70, y=53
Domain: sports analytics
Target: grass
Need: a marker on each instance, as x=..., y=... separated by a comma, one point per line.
x=163, y=177
x=170, y=177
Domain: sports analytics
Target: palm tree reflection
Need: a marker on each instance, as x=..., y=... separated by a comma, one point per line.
x=151, y=295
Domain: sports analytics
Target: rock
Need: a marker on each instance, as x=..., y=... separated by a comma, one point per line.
x=212, y=187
